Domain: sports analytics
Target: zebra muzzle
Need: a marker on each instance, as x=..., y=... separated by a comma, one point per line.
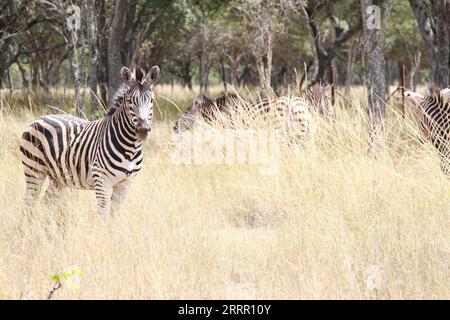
x=142, y=132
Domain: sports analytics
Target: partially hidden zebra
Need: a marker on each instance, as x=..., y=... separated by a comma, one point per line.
x=318, y=99
x=288, y=112
x=434, y=122
x=103, y=155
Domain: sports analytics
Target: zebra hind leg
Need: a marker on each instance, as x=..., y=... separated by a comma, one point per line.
x=53, y=192
x=34, y=181
x=59, y=213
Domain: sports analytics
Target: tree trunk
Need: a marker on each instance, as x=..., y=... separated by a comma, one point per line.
x=414, y=71
x=325, y=55
x=115, y=45
x=102, y=50
x=268, y=70
x=223, y=74
x=93, y=54
x=34, y=67
x=74, y=66
x=185, y=74
x=25, y=78
x=375, y=73
x=436, y=39
x=441, y=12
x=51, y=76
x=83, y=60
x=351, y=61
x=204, y=78
x=234, y=65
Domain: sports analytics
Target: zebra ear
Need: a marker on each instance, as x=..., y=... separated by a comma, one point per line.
x=414, y=97
x=446, y=94
x=152, y=76
x=126, y=75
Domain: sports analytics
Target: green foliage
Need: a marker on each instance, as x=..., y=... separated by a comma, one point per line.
x=68, y=277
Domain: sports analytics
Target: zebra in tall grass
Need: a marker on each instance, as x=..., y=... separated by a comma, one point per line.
x=103, y=155
x=318, y=99
x=434, y=122
x=290, y=113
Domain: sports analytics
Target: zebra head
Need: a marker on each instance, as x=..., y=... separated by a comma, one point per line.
x=430, y=108
x=138, y=99
x=191, y=115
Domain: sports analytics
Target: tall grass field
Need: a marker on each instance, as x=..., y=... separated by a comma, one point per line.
x=330, y=221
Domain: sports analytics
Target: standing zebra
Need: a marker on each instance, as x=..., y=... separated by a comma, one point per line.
x=434, y=122
x=103, y=155
x=288, y=113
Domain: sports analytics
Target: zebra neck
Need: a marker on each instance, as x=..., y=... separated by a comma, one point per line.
x=122, y=124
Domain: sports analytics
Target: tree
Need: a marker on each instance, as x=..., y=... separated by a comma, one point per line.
x=342, y=32
x=133, y=22
x=261, y=20
x=374, y=41
x=434, y=25
x=89, y=11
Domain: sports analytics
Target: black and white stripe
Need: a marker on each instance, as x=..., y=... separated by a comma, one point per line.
x=318, y=99
x=288, y=113
x=103, y=155
x=434, y=122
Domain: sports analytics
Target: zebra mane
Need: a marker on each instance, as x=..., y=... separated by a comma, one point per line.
x=120, y=92
x=117, y=100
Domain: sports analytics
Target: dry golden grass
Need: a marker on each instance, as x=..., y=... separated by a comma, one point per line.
x=316, y=228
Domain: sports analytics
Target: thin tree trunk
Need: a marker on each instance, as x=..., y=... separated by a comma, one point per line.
x=93, y=54
x=8, y=77
x=414, y=71
x=268, y=75
x=51, y=76
x=376, y=81
x=25, y=78
x=74, y=65
x=102, y=50
x=83, y=60
x=351, y=61
x=222, y=72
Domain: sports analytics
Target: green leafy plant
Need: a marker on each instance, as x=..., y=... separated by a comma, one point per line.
x=70, y=278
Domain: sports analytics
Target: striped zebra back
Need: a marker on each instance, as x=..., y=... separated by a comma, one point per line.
x=288, y=114
x=206, y=109
x=434, y=123
x=318, y=99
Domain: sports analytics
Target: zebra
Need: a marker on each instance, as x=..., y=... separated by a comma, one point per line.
x=103, y=155
x=434, y=122
x=288, y=112
x=318, y=99
x=204, y=108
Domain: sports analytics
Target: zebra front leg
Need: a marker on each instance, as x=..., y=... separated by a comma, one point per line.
x=103, y=192
x=119, y=193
